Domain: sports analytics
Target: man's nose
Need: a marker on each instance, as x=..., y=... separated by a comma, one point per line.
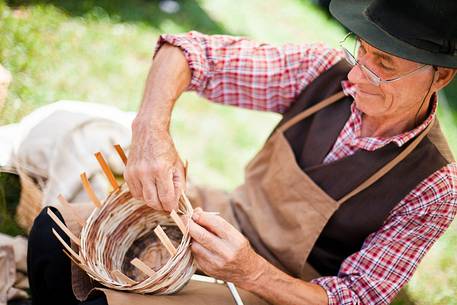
x=356, y=75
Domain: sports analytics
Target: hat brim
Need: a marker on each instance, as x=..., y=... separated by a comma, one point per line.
x=351, y=13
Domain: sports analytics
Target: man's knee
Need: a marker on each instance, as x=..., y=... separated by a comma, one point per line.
x=43, y=245
x=48, y=267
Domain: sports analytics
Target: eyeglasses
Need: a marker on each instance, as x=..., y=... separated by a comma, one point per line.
x=371, y=76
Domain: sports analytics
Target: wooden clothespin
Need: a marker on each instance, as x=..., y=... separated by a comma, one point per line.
x=165, y=240
x=90, y=192
x=108, y=173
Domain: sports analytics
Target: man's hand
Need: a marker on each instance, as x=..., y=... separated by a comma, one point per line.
x=154, y=172
x=223, y=252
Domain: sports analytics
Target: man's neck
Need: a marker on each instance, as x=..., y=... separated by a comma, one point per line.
x=387, y=127
x=378, y=127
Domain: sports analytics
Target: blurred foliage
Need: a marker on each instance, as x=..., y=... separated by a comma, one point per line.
x=9, y=199
x=451, y=94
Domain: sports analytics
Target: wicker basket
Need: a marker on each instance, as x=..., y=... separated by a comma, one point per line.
x=29, y=203
x=126, y=245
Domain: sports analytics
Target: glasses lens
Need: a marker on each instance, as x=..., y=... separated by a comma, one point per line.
x=351, y=42
x=349, y=57
x=349, y=46
x=373, y=78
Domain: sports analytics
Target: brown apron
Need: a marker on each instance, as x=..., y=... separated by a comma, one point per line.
x=278, y=208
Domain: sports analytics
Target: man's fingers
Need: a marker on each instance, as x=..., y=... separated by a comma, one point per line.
x=204, y=237
x=201, y=251
x=166, y=191
x=134, y=184
x=150, y=195
x=204, y=258
x=213, y=223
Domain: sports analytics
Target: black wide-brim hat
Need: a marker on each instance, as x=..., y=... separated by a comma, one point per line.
x=424, y=31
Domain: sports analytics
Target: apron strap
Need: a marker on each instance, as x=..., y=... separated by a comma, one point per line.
x=311, y=110
x=391, y=164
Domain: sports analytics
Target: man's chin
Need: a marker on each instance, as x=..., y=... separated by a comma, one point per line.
x=367, y=105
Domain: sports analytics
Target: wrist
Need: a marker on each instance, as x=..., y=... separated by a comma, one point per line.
x=257, y=278
x=147, y=122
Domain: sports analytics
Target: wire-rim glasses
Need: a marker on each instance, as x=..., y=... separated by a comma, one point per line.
x=371, y=76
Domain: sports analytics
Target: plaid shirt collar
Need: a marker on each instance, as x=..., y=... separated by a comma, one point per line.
x=372, y=143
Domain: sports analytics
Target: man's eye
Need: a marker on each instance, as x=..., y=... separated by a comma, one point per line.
x=386, y=67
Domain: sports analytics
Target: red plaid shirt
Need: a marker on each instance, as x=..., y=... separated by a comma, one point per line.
x=236, y=71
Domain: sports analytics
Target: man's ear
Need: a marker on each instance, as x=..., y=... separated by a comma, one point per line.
x=443, y=76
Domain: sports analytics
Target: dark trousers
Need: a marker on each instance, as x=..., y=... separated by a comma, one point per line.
x=48, y=267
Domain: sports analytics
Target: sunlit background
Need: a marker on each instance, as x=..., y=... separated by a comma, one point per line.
x=100, y=51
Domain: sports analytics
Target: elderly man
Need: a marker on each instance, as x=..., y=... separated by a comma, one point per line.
x=356, y=182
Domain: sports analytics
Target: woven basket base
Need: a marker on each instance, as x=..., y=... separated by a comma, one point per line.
x=150, y=250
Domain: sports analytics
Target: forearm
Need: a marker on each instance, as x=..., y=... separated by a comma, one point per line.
x=278, y=287
x=168, y=77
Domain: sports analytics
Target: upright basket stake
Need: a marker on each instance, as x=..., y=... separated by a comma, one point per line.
x=165, y=240
x=121, y=276
x=73, y=259
x=186, y=169
x=67, y=247
x=121, y=153
x=90, y=192
x=142, y=267
x=178, y=221
x=108, y=173
x=186, y=200
x=63, y=227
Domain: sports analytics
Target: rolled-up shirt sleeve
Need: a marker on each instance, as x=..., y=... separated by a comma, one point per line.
x=389, y=257
x=237, y=71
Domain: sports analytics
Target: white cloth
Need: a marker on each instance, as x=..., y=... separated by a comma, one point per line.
x=7, y=136
x=57, y=142
x=54, y=144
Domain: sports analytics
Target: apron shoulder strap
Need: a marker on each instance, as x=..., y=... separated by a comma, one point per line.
x=311, y=110
x=388, y=166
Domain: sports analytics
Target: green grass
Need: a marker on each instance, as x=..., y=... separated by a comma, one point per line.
x=100, y=51
x=9, y=199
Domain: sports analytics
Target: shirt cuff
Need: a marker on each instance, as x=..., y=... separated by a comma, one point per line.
x=192, y=45
x=337, y=292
